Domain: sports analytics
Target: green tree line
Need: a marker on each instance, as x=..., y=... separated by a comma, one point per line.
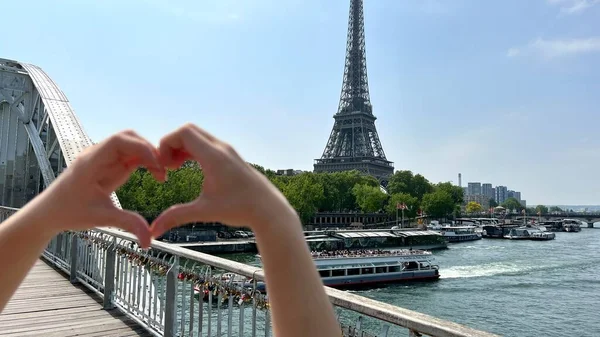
x=307, y=192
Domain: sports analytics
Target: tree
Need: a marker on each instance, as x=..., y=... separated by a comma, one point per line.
x=530, y=211
x=438, y=204
x=401, y=182
x=406, y=182
x=541, y=209
x=304, y=192
x=493, y=202
x=474, y=207
x=338, y=186
x=555, y=209
x=421, y=186
x=369, y=198
x=512, y=204
x=456, y=192
x=411, y=203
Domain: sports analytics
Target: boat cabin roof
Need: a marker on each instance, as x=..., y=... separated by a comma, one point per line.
x=364, y=235
x=417, y=233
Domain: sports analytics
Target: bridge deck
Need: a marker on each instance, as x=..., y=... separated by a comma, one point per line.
x=47, y=304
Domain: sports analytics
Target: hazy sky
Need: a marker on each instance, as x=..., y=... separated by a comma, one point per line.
x=505, y=92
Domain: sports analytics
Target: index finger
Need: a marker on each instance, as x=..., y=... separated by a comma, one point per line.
x=185, y=143
x=130, y=150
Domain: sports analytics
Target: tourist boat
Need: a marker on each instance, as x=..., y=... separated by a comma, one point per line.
x=341, y=269
x=348, y=268
x=530, y=233
x=571, y=225
x=460, y=233
x=497, y=231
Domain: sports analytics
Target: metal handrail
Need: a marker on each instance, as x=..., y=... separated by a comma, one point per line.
x=406, y=318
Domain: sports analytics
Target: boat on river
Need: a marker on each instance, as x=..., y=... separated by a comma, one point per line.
x=460, y=233
x=530, y=233
x=571, y=225
x=497, y=231
x=356, y=268
x=341, y=269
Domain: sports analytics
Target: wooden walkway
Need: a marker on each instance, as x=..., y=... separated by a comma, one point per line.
x=48, y=305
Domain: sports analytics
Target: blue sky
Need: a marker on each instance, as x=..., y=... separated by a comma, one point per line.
x=502, y=91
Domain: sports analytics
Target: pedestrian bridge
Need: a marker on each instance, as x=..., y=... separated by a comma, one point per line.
x=101, y=283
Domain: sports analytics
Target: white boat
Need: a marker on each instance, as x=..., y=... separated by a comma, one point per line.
x=347, y=268
x=341, y=269
x=571, y=225
x=460, y=233
x=530, y=233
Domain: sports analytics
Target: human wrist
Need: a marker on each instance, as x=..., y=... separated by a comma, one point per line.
x=39, y=219
x=46, y=211
x=272, y=214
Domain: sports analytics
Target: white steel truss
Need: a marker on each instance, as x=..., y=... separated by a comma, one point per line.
x=40, y=135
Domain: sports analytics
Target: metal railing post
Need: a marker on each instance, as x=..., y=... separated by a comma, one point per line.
x=109, y=276
x=74, y=258
x=171, y=299
x=58, y=253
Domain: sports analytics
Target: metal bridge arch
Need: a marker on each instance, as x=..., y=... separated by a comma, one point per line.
x=40, y=134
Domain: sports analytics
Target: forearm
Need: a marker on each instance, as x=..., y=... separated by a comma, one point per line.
x=23, y=237
x=299, y=304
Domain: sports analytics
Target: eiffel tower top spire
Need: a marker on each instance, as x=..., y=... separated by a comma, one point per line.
x=355, y=86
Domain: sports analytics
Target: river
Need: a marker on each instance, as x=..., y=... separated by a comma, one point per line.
x=511, y=288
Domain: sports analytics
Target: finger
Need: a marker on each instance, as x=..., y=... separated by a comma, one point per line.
x=122, y=154
x=196, y=211
x=130, y=149
x=186, y=143
x=127, y=220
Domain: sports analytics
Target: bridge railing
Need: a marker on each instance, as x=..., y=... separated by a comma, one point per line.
x=173, y=291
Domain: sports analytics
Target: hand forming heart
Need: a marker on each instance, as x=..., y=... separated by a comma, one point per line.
x=233, y=193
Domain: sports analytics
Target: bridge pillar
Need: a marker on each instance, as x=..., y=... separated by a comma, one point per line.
x=590, y=225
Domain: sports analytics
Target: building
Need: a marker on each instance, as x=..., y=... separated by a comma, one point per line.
x=474, y=188
x=523, y=203
x=289, y=172
x=481, y=199
x=487, y=190
x=518, y=196
x=501, y=194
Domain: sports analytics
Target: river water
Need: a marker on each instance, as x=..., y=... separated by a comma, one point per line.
x=511, y=288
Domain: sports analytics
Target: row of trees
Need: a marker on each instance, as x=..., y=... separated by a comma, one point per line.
x=307, y=192
x=514, y=204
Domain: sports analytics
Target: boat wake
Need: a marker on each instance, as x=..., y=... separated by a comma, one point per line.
x=505, y=268
x=489, y=269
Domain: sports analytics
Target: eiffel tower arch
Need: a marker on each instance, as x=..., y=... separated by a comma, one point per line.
x=354, y=143
x=40, y=135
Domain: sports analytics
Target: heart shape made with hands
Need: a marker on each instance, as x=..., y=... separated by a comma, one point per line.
x=229, y=191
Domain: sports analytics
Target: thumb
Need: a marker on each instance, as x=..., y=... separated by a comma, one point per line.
x=127, y=220
x=181, y=214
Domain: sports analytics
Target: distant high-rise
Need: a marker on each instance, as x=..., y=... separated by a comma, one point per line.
x=501, y=194
x=459, y=180
x=487, y=190
x=474, y=188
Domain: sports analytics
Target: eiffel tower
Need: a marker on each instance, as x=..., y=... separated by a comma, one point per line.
x=354, y=143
